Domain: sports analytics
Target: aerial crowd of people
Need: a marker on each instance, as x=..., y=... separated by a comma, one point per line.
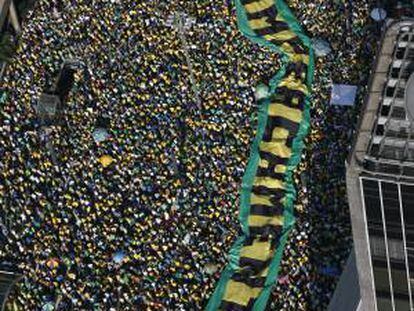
x=143, y=217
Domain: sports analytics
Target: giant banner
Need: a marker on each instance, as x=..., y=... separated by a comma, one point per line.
x=268, y=192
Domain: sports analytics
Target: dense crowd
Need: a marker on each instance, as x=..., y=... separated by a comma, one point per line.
x=150, y=227
x=321, y=240
x=168, y=201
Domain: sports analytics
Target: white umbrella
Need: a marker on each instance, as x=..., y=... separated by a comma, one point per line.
x=262, y=91
x=100, y=134
x=378, y=14
x=321, y=47
x=210, y=268
x=48, y=307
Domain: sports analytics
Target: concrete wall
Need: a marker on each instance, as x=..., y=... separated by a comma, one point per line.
x=361, y=243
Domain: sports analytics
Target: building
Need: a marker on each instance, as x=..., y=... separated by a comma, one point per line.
x=380, y=177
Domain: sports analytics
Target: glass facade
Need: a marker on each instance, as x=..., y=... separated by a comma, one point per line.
x=389, y=209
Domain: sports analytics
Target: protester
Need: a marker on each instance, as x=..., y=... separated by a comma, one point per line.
x=143, y=218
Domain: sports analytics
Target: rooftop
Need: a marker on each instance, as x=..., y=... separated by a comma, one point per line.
x=390, y=145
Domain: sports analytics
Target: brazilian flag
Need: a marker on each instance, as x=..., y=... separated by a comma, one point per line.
x=268, y=192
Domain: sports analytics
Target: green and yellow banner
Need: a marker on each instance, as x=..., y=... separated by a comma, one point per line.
x=268, y=192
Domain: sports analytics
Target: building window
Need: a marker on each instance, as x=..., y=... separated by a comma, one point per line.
x=396, y=249
x=377, y=246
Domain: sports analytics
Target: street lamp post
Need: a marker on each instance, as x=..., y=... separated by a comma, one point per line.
x=182, y=23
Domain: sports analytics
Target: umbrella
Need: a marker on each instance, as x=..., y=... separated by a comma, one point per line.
x=100, y=134
x=187, y=238
x=378, y=14
x=118, y=256
x=48, y=307
x=52, y=263
x=106, y=160
x=262, y=91
x=321, y=46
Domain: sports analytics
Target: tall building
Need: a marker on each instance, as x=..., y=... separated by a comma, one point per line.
x=380, y=177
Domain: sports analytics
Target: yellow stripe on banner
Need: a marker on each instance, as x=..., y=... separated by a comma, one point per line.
x=259, y=23
x=240, y=293
x=269, y=182
x=300, y=58
x=286, y=47
x=279, y=133
x=294, y=57
x=279, y=17
x=258, y=250
x=263, y=163
x=294, y=84
x=277, y=148
x=279, y=168
x=284, y=35
x=261, y=221
x=280, y=110
x=260, y=200
x=258, y=6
